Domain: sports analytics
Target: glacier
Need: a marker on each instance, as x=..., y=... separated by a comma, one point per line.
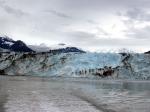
x=122, y=66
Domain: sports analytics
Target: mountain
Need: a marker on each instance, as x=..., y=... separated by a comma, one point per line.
x=147, y=52
x=59, y=48
x=63, y=48
x=11, y=45
x=66, y=50
x=6, y=42
x=39, y=48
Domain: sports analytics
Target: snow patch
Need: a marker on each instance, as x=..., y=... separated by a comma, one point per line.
x=9, y=43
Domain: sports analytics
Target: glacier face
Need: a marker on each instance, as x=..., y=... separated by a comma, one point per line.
x=129, y=66
x=136, y=66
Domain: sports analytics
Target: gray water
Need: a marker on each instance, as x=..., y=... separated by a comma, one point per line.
x=34, y=94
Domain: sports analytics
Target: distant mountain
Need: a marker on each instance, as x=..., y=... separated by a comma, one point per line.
x=66, y=50
x=59, y=48
x=63, y=48
x=148, y=52
x=39, y=48
x=11, y=45
x=7, y=44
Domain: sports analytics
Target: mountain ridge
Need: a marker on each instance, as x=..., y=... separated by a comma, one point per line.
x=11, y=45
x=8, y=45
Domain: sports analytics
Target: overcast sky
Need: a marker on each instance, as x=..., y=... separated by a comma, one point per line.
x=88, y=24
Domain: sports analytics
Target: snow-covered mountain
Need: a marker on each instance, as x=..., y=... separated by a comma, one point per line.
x=10, y=45
x=39, y=48
x=7, y=45
x=67, y=50
x=59, y=48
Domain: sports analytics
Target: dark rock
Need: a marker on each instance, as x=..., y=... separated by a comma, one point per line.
x=19, y=46
x=2, y=72
x=16, y=46
x=66, y=50
x=147, y=52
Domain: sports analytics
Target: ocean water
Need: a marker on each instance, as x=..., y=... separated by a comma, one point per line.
x=44, y=94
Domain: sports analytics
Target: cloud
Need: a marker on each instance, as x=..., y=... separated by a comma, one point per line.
x=59, y=14
x=138, y=14
x=84, y=23
x=142, y=33
x=92, y=22
x=2, y=1
x=90, y=39
x=137, y=21
x=13, y=11
x=90, y=33
x=80, y=37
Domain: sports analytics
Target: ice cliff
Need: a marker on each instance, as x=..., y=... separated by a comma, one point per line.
x=112, y=65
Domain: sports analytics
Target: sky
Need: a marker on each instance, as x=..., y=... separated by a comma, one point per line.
x=89, y=24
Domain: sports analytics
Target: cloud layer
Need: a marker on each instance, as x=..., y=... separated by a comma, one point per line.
x=89, y=24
